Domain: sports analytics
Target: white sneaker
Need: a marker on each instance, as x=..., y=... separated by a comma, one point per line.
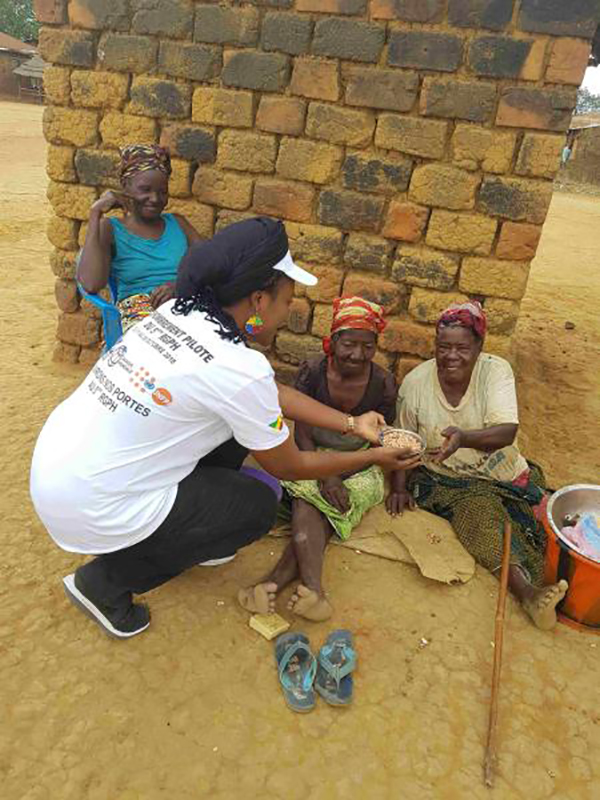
x=216, y=562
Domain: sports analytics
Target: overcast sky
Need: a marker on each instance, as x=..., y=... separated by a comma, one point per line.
x=592, y=80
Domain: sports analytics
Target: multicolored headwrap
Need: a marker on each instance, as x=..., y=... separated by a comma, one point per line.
x=465, y=315
x=143, y=157
x=355, y=313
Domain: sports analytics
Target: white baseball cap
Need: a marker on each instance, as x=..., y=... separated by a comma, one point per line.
x=293, y=271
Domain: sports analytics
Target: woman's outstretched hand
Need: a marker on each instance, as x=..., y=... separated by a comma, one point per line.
x=453, y=441
x=368, y=426
x=393, y=459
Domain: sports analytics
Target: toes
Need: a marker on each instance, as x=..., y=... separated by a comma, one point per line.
x=304, y=591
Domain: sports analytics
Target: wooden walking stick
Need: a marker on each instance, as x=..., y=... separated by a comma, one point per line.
x=491, y=758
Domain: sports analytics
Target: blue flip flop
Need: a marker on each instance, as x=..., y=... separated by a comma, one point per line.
x=297, y=667
x=336, y=662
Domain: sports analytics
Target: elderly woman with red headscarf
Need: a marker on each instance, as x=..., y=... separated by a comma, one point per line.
x=345, y=378
x=463, y=404
x=143, y=249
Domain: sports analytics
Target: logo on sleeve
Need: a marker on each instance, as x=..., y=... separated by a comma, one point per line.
x=277, y=424
x=162, y=397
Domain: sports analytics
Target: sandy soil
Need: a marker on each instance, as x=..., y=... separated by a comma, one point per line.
x=191, y=709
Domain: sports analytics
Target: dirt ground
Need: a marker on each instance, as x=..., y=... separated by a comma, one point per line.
x=192, y=709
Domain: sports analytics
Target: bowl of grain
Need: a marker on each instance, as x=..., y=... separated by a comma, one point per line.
x=401, y=439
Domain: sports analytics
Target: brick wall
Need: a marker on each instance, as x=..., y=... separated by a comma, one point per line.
x=410, y=145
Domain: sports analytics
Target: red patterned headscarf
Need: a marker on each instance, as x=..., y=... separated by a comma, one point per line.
x=143, y=157
x=465, y=315
x=355, y=313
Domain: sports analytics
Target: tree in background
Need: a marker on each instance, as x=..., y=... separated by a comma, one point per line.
x=586, y=102
x=17, y=18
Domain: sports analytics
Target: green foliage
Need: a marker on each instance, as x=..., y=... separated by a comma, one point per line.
x=17, y=18
x=586, y=102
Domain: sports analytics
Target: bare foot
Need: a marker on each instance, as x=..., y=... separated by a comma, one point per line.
x=309, y=604
x=259, y=599
x=542, y=605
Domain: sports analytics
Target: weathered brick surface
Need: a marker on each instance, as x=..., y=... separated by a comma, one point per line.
x=516, y=198
x=420, y=266
x=339, y=125
x=441, y=52
x=539, y=156
x=118, y=130
x=226, y=218
x=60, y=165
x=229, y=189
x=322, y=319
x=201, y=216
x=492, y=14
x=405, y=221
x=502, y=315
x=350, y=210
x=495, y=278
x=71, y=200
x=78, y=329
x=294, y=348
x=349, y=39
x=468, y=100
x=408, y=10
x=518, y=241
x=190, y=141
x=73, y=48
x=268, y=72
x=317, y=78
x=574, y=18
x=66, y=353
x=303, y=160
x=477, y=148
x=70, y=126
x=404, y=366
x=223, y=107
x=418, y=137
x=154, y=97
x=180, y=182
x=371, y=172
x=329, y=286
x=406, y=336
x=387, y=293
x=98, y=89
x=221, y=25
x=367, y=253
x=127, y=53
x=426, y=305
x=53, y=12
x=332, y=6
x=299, y=317
x=67, y=297
x=246, y=151
x=198, y=62
x=549, y=109
x=444, y=186
x=97, y=167
x=57, y=85
x=173, y=18
x=379, y=88
x=289, y=33
x=498, y=56
x=281, y=115
x=99, y=15
x=314, y=243
x=284, y=199
x=568, y=61
x=466, y=233
x=62, y=263
x=62, y=232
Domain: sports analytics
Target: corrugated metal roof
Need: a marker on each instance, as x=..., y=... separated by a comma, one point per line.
x=34, y=68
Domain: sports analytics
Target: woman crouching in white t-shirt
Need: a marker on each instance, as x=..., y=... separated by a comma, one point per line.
x=139, y=466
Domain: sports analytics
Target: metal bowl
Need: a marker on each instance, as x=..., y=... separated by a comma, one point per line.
x=570, y=501
x=415, y=436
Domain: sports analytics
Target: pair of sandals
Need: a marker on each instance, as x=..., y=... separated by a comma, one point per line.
x=330, y=673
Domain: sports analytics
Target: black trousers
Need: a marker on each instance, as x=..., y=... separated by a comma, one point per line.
x=216, y=512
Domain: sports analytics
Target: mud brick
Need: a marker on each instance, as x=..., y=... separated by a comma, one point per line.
x=404, y=366
x=119, y=130
x=502, y=315
x=477, y=148
x=568, y=61
x=201, y=216
x=417, y=137
x=502, y=346
x=516, y=198
x=467, y=233
x=97, y=167
x=408, y=10
x=332, y=6
x=349, y=39
x=367, y=253
x=405, y=336
x=226, y=218
x=492, y=14
x=303, y=160
x=492, y=277
x=281, y=115
x=78, y=329
x=52, y=12
x=62, y=263
x=539, y=156
x=329, y=286
x=294, y=348
x=127, y=53
x=289, y=33
x=89, y=355
x=405, y=221
x=533, y=68
x=229, y=189
x=518, y=241
x=180, y=181
x=57, y=85
x=559, y=18
x=368, y=172
x=154, y=97
x=426, y=305
x=380, y=88
x=350, y=211
x=198, y=62
x=62, y=232
x=316, y=78
x=549, y=109
x=458, y=99
x=299, y=317
x=246, y=151
x=173, y=18
x=339, y=125
x=73, y=48
x=220, y=25
x=498, y=56
x=268, y=72
x=444, y=186
x=67, y=297
x=71, y=200
x=314, y=243
x=441, y=52
x=423, y=267
x=99, y=15
x=387, y=293
x=99, y=89
x=284, y=199
x=223, y=107
x=284, y=373
x=322, y=319
x=385, y=360
x=70, y=126
x=66, y=353
x=190, y=141
x=59, y=163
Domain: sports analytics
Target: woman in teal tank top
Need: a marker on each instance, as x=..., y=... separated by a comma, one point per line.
x=142, y=250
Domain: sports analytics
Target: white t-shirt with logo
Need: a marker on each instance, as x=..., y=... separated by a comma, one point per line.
x=108, y=461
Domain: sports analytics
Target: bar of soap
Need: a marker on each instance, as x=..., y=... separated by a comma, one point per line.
x=269, y=625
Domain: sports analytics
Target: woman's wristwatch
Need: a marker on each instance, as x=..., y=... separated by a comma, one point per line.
x=350, y=424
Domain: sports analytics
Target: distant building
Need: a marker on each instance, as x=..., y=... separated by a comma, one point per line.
x=13, y=53
x=583, y=138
